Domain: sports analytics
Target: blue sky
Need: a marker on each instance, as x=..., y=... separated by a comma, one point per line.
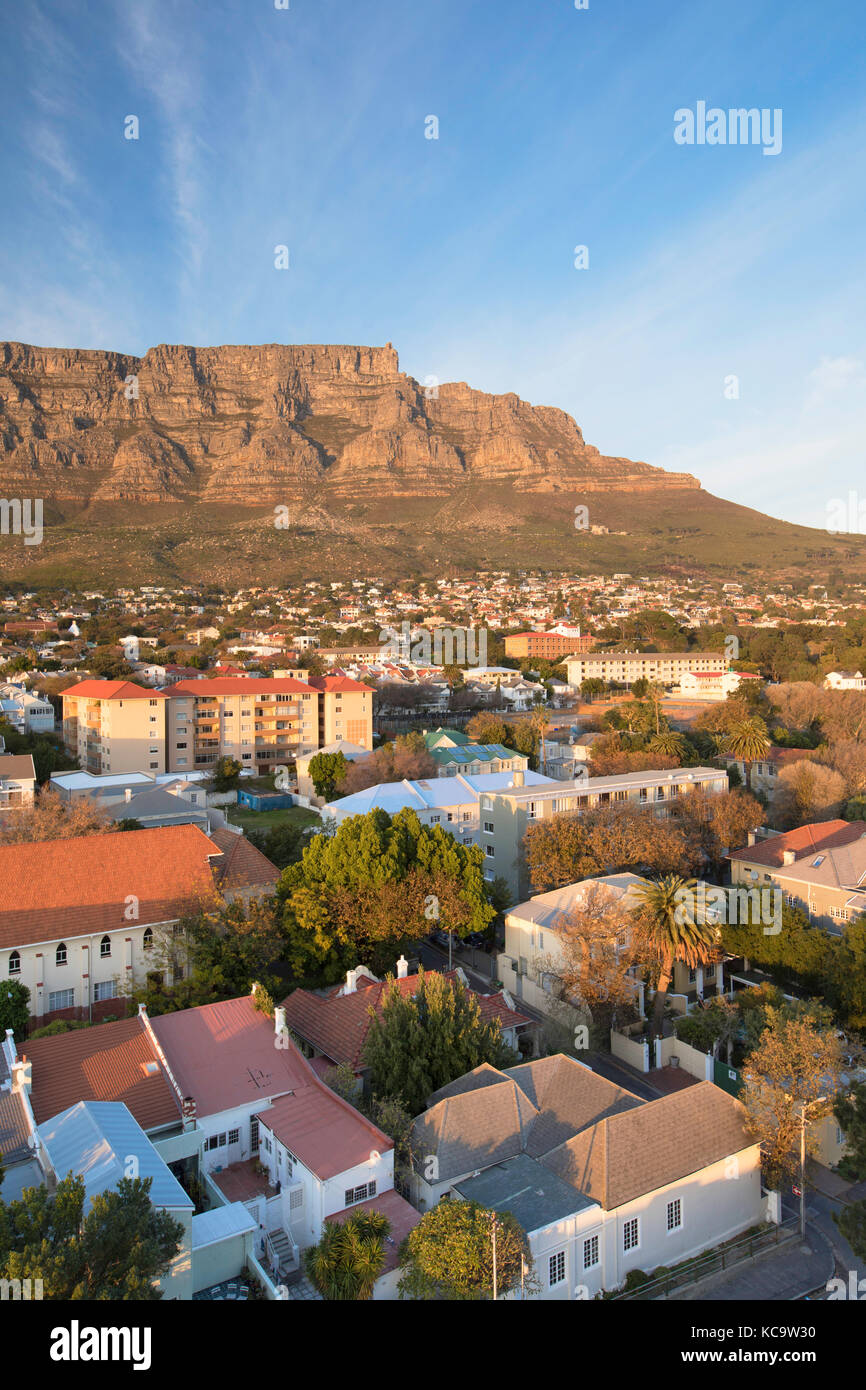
x=305, y=127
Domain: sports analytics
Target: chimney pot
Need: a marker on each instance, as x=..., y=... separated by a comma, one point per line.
x=279, y=1019
x=402, y=968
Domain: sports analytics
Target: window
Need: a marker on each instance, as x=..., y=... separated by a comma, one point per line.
x=590, y=1252
x=359, y=1194
x=15, y=963
x=215, y=1141
x=106, y=989
x=61, y=999
x=254, y=1135
x=556, y=1268
x=675, y=1215
x=630, y=1234
x=234, y=1136
x=105, y=946
x=60, y=954
x=488, y=827
x=147, y=939
x=490, y=851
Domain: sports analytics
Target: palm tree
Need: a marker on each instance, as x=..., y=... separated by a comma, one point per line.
x=668, y=931
x=349, y=1257
x=748, y=740
x=671, y=744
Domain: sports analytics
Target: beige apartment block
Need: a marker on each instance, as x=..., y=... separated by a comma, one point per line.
x=115, y=726
x=820, y=868
x=345, y=711
x=664, y=668
x=505, y=816
x=260, y=723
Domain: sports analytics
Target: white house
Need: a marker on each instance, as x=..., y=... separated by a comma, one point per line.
x=601, y=1181
x=845, y=680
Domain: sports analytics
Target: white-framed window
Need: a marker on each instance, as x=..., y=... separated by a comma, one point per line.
x=105, y=946
x=359, y=1194
x=556, y=1268
x=675, y=1214
x=61, y=999
x=488, y=827
x=60, y=954
x=234, y=1136
x=631, y=1234
x=105, y=989
x=490, y=851
x=590, y=1252
x=147, y=939
x=216, y=1141
x=15, y=963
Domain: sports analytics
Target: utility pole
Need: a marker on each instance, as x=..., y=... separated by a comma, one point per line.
x=495, y=1285
x=806, y=1104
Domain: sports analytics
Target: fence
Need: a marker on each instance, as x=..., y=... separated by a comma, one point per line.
x=714, y=1261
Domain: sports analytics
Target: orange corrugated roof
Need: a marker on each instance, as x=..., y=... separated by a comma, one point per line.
x=113, y=690
x=53, y=889
x=338, y=683
x=237, y=685
x=105, y=1062
x=829, y=834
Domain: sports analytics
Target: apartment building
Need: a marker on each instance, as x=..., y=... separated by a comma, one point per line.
x=550, y=646
x=821, y=869
x=345, y=710
x=624, y=668
x=260, y=723
x=506, y=814
x=120, y=727
x=115, y=726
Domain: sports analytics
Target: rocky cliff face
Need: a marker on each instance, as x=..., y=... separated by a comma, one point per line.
x=255, y=426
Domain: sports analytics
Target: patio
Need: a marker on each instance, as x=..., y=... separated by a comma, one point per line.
x=239, y=1182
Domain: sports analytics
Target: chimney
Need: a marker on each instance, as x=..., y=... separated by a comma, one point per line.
x=789, y=856
x=22, y=1076
x=518, y=780
x=279, y=1019
x=402, y=968
x=351, y=982
x=753, y=839
x=127, y=795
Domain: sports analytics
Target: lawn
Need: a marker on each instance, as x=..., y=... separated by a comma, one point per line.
x=264, y=820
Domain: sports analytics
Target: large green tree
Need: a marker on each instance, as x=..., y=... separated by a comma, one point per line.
x=422, y=1041
x=115, y=1252
x=327, y=771
x=364, y=893
x=449, y=1254
x=14, y=1008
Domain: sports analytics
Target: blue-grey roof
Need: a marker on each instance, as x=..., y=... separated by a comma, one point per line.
x=97, y=1139
x=433, y=792
x=523, y=1186
x=209, y=1227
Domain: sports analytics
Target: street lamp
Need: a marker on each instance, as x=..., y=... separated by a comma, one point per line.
x=806, y=1103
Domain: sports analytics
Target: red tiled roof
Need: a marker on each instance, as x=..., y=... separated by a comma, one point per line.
x=338, y=684
x=113, y=690
x=337, y=1025
x=54, y=889
x=238, y=685
x=100, y=1063
x=828, y=834
x=243, y=866
x=223, y=1055
x=327, y=1134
